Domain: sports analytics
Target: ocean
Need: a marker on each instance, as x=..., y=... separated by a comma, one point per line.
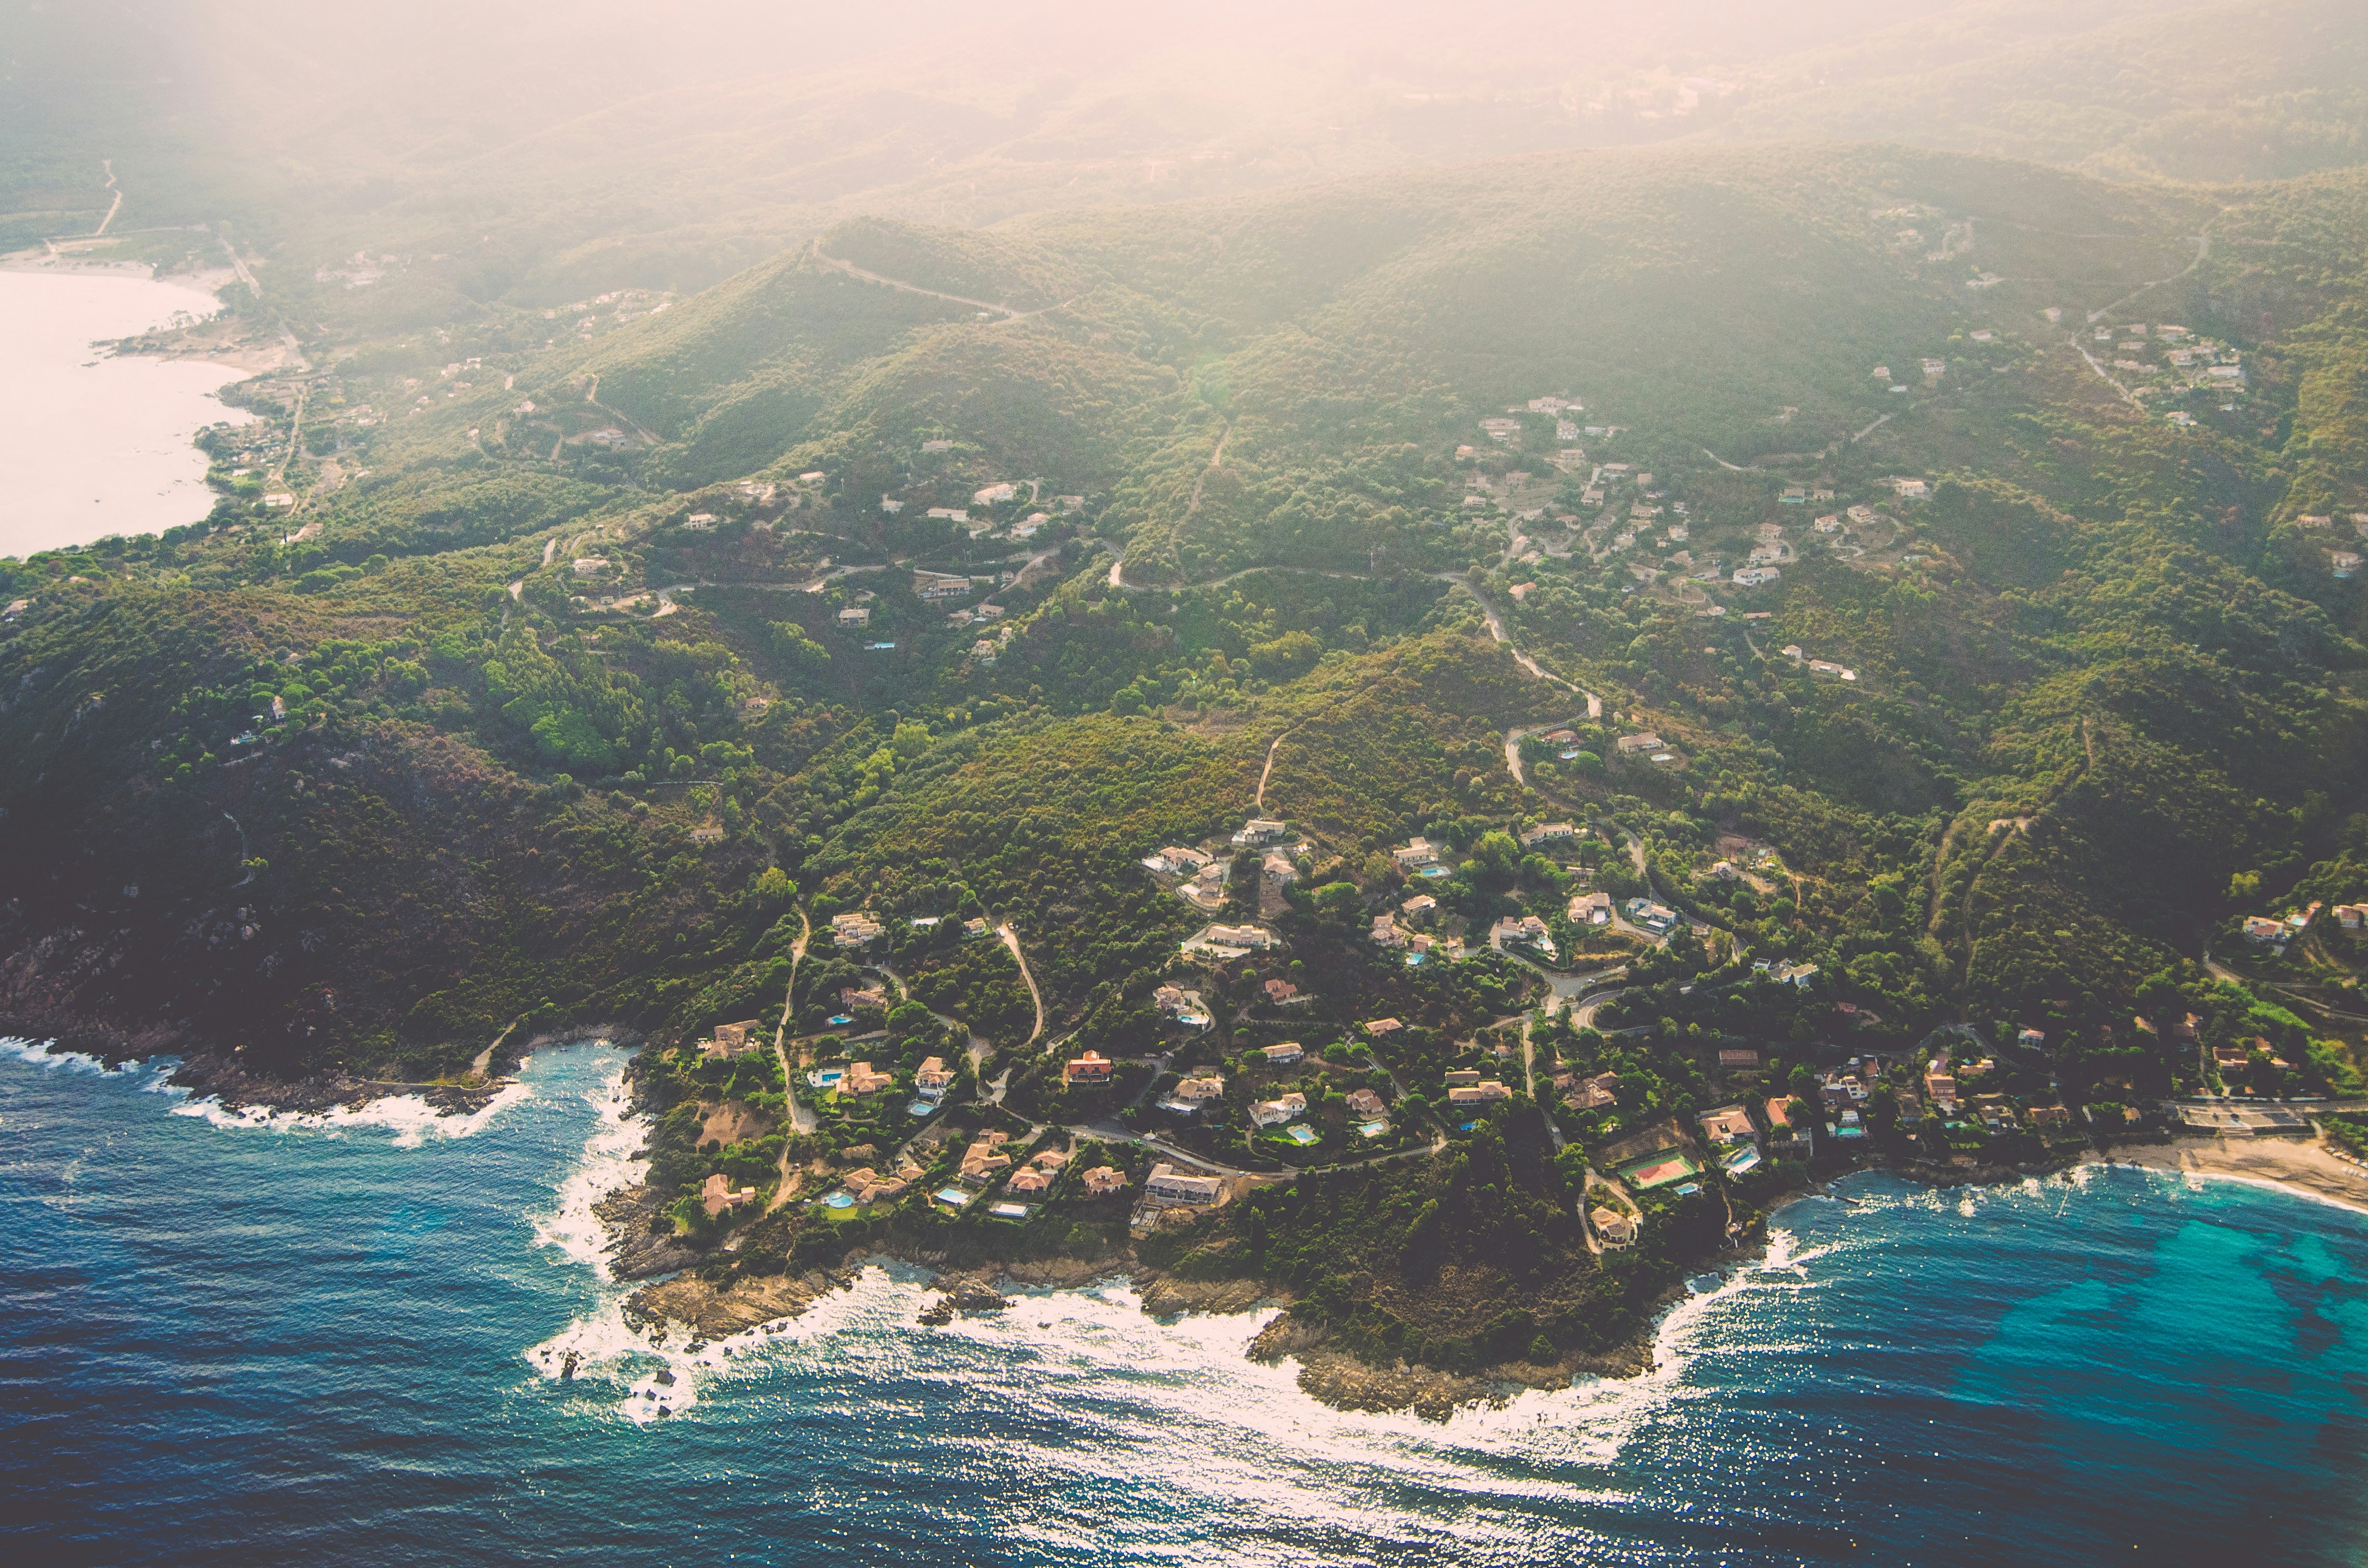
x=273, y=1340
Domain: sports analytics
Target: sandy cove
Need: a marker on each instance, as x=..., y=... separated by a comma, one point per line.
x=2304, y=1167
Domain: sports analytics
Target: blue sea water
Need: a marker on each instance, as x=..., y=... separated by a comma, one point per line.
x=262, y=1340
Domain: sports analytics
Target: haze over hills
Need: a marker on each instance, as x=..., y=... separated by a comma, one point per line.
x=721, y=520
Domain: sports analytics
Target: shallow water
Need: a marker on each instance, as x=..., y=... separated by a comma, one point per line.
x=283, y=1340
x=97, y=445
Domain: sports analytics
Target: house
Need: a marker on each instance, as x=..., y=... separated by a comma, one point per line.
x=718, y=1193
x=891, y=505
x=982, y=652
x=1386, y=932
x=1278, y=869
x=733, y=1039
x=1091, y=1068
x=1910, y=489
x=1725, y=871
x=984, y=1157
x=855, y=615
x=992, y=494
x=1240, y=937
x=1183, y=859
x=1168, y=1185
x=853, y=929
x=1591, y=909
x=861, y=1079
x=1756, y=576
x=1548, y=833
x=1738, y=1059
x=1629, y=744
x=1169, y=999
x=1612, y=1228
x=1028, y=1179
x=1276, y=1111
x=1280, y=1055
x=2351, y=914
x=1479, y=1093
x=1383, y=1026
x=940, y=585
x=2030, y=1040
x=867, y=1186
x=1796, y=975
x=1364, y=1102
x=974, y=926
x=1782, y=1133
x=934, y=1077
x=1462, y=1077
x=2343, y=562
x=1529, y=930
x=1940, y=1083
x=1589, y=1094
x=1262, y=830
x=1832, y=523
x=1280, y=990
x=590, y=565
x=1101, y=1181
x=1198, y=1092
x=1416, y=852
x=2261, y=929
x=1417, y=906
x=950, y=514
x=1936, y=368
x=1728, y=1124
x=863, y=996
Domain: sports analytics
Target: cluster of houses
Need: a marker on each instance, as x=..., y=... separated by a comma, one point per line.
x=867, y=1185
x=1038, y=1174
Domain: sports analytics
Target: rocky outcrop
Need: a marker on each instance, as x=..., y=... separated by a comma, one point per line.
x=642, y=1243
x=717, y=1312
x=223, y=1079
x=1164, y=1295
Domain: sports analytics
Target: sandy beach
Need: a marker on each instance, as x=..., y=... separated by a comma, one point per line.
x=2297, y=1164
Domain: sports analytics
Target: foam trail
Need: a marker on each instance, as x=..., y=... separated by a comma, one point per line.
x=411, y=1118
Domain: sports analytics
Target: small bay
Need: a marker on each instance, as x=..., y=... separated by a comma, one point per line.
x=94, y=444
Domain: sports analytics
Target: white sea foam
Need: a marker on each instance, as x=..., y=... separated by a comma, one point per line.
x=46, y=1054
x=611, y=1159
x=410, y=1117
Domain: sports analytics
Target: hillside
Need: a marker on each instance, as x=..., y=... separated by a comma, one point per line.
x=1921, y=593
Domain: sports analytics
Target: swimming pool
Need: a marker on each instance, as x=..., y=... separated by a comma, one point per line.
x=1301, y=1134
x=1372, y=1129
x=1414, y=960
x=1435, y=873
x=952, y=1194
x=922, y=1108
x=827, y=1078
x=1009, y=1210
x=842, y=1018
x=839, y=1200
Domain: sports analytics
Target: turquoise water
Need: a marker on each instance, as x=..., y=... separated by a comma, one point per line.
x=273, y=1341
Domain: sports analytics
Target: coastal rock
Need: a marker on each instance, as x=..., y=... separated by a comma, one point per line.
x=1344, y=1383
x=637, y=1249
x=1164, y=1295
x=717, y=1312
x=971, y=1295
x=1061, y=1273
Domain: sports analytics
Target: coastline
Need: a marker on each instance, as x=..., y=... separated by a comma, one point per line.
x=2301, y=1167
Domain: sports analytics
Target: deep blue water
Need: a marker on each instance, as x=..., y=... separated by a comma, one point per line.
x=308, y=1343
